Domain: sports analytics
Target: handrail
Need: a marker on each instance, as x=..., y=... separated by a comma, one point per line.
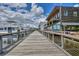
x=65, y=41
x=65, y=35
x=19, y=36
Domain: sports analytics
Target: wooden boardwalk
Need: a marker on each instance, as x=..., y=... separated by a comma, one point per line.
x=36, y=45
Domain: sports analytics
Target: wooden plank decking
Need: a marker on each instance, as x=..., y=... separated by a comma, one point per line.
x=36, y=45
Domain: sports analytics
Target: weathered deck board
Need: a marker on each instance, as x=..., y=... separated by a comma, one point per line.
x=36, y=44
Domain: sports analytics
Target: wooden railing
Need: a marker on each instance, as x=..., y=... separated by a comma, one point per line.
x=10, y=40
x=65, y=41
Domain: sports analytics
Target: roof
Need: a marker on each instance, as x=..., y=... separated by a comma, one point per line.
x=52, y=12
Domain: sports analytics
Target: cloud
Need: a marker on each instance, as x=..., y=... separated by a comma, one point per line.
x=41, y=19
x=4, y=8
x=22, y=11
x=37, y=14
x=76, y=5
x=17, y=5
x=37, y=10
x=30, y=17
x=33, y=4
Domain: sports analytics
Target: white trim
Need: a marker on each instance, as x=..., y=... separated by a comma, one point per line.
x=69, y=23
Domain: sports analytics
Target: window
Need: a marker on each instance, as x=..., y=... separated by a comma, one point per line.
x=5, y=28
x=75, y=13
x=65, y=13
x=1, y=28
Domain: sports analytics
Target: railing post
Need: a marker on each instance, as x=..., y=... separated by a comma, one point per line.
x=45, y=33
x=62, y=41
x=18, y=34
x=42, y=32
x=9, y=39
x=48, y=35
x=53, y=37
x=11, y=36
x=24, y=33
x=21, y=35
x=1, y=45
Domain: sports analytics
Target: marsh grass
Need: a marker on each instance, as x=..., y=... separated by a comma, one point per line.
x=71, y=47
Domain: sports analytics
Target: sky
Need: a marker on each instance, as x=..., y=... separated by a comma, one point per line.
x=28, y=13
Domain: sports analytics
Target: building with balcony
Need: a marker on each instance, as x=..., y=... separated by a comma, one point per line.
x=64, y=18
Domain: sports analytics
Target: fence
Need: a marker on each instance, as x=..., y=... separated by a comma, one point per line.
x=66, y=42
x=10, y=40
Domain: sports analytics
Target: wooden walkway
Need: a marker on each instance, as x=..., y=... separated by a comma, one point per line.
x=36, y=45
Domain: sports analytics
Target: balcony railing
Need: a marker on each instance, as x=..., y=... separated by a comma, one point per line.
x=67, y=18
